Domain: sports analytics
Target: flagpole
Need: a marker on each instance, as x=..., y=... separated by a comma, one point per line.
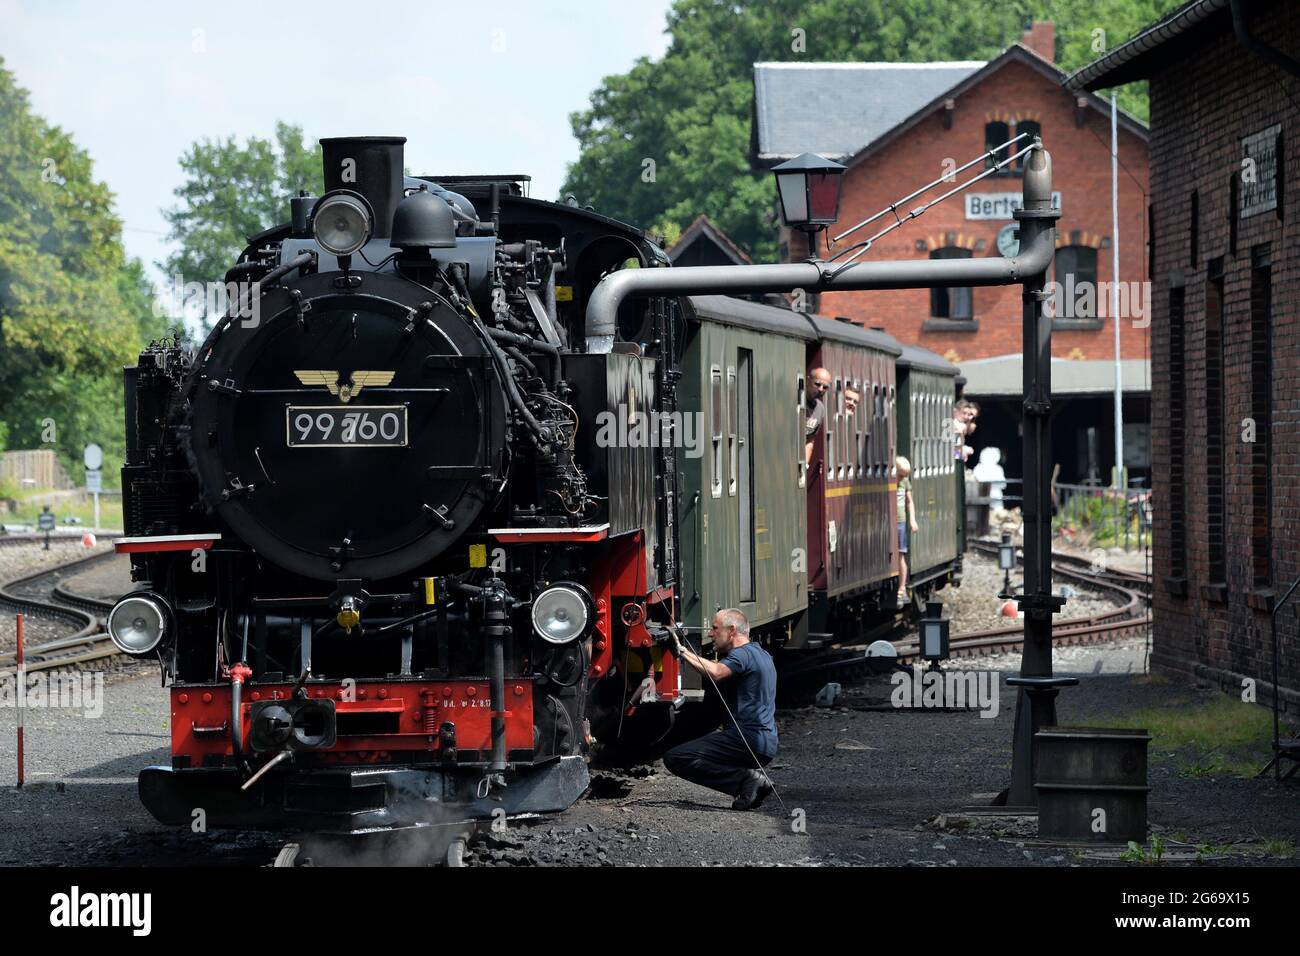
x=1114, y=297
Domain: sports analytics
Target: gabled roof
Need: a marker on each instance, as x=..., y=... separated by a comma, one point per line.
x=847, y=111
x=834, y=109
x=1014, y=53
x=703, y=230
x=1153, y=47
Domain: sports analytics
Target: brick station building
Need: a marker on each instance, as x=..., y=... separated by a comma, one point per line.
x=1226, y=364
x=897, y=126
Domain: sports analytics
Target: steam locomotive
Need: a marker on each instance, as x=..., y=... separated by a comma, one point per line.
x=407, y=546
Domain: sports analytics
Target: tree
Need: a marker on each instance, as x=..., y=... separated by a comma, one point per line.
x=670, y=138
x=73, y=309
x=234, y=191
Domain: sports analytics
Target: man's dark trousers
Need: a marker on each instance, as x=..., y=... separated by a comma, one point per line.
x=719, y=760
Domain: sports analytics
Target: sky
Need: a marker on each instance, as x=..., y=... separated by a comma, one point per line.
x=476, y=87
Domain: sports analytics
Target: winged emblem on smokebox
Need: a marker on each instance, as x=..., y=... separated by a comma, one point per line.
x=345, y=391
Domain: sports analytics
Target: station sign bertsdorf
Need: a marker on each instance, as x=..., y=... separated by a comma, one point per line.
x=981, y=206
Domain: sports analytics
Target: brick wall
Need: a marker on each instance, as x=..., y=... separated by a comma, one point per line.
x=1081, y=166
x=1214, y=93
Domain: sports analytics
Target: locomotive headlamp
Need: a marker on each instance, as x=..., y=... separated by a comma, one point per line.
x=341, y=222
x=137, y=623
x=809, y=189
x=562, y=613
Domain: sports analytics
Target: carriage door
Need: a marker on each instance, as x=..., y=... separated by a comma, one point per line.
x=743, y=398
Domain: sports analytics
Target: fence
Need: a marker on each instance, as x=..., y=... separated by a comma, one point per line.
x=1107, y=517
x=1084, y=514
x=39, y=468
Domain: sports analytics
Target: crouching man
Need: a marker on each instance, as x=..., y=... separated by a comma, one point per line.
x=725, y=759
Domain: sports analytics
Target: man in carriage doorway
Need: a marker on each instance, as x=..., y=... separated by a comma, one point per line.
x=730, y=760
x=819, y=382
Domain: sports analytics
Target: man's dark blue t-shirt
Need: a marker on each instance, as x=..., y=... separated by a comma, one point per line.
x=754, y=696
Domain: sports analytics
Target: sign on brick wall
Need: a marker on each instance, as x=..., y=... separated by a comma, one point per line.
x=1259, y=171
x=999, y=205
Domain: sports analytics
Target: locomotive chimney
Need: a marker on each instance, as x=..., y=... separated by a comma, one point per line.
x=370, y=165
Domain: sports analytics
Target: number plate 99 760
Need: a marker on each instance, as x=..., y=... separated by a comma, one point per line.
x=372, y=426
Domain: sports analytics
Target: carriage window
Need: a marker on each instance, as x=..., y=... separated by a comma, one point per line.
x=925, y=432
x=879, y=434
x=829, y=426
x=934, y=434
x=930, y=435
x=858, y=431
x=949, y=410
x=925, y=436
x=715, y=407
x=733, y=451
x=842, y=430
x=893, y=424
x=801, y=416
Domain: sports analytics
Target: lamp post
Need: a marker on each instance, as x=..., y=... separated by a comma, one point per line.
x=934, y=634
x=1007, y=562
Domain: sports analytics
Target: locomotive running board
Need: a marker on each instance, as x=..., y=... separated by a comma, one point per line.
x=583, y=535
x=165, y=542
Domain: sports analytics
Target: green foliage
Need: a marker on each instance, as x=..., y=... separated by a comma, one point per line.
x=73, y=309
x=1136, y=853
x=1098, y=519
x=1281, y=847
x=233, y=191
x=690, y=111
x=80, y=506
x=1215, y=737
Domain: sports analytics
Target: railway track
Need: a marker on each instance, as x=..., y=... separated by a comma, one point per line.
x=1130, y=617
x=41, y=594
x=14, y=540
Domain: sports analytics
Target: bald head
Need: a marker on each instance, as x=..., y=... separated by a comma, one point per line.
x=819, y=380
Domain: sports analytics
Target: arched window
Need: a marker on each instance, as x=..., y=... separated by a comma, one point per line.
x=1076, y=277
x=995, y=134
x=1031, y=127
x=951, y=303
